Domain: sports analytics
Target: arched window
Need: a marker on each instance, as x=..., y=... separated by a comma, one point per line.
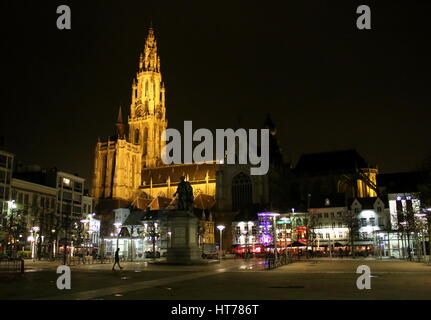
x=146, y=112
x=137, y=136
x=145, y=141
x=241, y=191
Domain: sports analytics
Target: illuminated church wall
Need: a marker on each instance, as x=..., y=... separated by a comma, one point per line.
x=128, y=165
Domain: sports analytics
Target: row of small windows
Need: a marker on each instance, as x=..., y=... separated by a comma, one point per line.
x=246, y=230
x=341, y=235
x=69, y=196
x=32, y=199
x=372, y=222
x=333, y=225
x=363, y=222
x=326, y=214
x=67, y=209
x=69, y=184
x=340, y=214
x=328, y=235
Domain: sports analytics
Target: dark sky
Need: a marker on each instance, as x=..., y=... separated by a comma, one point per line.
x=326, y=84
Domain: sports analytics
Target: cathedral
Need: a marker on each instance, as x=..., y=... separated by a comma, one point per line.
x=128, y=170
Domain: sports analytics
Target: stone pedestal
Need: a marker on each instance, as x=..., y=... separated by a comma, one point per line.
x=184, y=247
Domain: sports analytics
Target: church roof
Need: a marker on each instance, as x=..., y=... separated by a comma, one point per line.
x=204, y=202
x=333, y=161
x=194, y=171
x=158, y=203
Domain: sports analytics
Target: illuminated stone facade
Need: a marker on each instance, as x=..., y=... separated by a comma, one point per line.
x=128, y=170
x=119, y=161
x=128, y=166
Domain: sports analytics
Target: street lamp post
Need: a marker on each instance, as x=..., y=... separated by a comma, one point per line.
x=274, y=227
x=33, y=242
x=221, y=228
x=12, y=206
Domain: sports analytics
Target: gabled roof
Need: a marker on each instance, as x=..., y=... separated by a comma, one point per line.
x=333, y=161
x=367, y=203
x=158, y=203
x=138, y=217
x=204, y=202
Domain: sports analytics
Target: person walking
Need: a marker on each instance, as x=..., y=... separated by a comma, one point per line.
x=117, y=260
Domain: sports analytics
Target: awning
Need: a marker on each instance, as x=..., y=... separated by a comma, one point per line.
x=297, y=244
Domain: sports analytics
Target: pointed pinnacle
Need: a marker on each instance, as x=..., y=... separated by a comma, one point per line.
x=120, y=116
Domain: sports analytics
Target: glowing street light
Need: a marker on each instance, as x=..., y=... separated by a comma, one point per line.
x=221, y=228
x=12, y=204
x=33, y=239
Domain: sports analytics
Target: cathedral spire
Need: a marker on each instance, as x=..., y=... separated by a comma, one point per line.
x=120, y=116
x=147, y=118
x=150, y=56
x=120, y=125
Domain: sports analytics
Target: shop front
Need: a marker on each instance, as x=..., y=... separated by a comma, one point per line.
x=133, y=249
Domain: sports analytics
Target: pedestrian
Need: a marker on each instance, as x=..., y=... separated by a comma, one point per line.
x=94, y=255
x=117, y=260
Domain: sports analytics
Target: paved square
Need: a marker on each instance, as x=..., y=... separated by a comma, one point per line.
x=231, y=279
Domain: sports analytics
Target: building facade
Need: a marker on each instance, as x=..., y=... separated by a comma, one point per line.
x=318, y=174
x=128, y=171
x=6, y=173
x=49, y=209
x=34, y=214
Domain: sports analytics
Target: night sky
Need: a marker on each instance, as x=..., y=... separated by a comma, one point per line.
x=327, y=85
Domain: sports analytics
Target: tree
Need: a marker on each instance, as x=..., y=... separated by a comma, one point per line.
x=351, y=221
x=312, y=222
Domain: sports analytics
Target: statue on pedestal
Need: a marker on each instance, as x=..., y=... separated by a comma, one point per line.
x=185, y=195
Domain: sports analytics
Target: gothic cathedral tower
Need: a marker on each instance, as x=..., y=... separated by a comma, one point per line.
x=119, y=160
x=147, y=118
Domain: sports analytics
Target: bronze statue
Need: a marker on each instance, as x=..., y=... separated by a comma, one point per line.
x=185, y=195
